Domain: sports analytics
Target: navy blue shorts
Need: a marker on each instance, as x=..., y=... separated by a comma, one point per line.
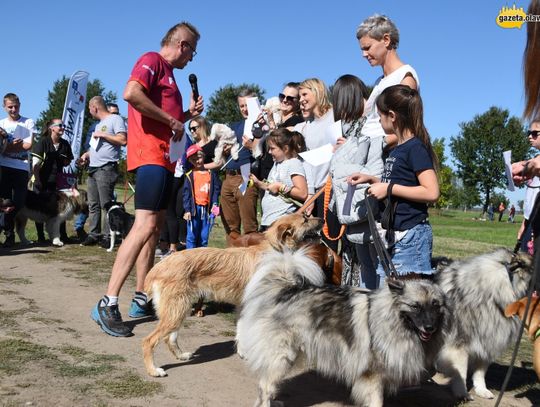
x=153, y=187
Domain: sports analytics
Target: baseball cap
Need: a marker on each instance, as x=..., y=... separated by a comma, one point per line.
x=192, y=150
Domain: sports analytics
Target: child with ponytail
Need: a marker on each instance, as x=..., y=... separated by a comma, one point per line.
x=410, y=176
x=286, y=184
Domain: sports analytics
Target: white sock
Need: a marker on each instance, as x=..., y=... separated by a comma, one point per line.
x=107, y=301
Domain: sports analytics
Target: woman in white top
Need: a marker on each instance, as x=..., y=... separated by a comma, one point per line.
x=379, y=39
x=317, y=110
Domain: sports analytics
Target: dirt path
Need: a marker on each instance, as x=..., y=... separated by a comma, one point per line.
x=52, y=353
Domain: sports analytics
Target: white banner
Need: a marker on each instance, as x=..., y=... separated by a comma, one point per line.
x=73, y=118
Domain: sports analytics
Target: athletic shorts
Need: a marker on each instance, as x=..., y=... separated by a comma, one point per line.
x=153, y=187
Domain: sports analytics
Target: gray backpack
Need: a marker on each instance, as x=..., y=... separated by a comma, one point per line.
x=360, y=153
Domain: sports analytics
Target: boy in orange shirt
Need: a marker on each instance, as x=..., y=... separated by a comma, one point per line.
x=201, y=193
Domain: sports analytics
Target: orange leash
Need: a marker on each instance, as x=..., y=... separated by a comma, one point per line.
x=327, y=196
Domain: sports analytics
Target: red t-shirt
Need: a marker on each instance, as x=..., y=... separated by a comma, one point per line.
x=148, y=140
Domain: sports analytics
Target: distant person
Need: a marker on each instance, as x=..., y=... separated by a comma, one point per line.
x=112, y=108
x=512, y=214
x=410, y=176
x=14, y=161
x=102, y=158
x=379, y=39
x=155, y=117
x=491, y=212
x=201, y=198
x=501, y=209
x=49, y=156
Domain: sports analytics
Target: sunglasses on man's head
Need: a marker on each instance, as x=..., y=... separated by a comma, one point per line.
x=533, y=133
x=290, y=99
x=194, y=128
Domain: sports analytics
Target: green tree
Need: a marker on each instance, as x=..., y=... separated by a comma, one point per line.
x=56, y=99
x=223, y=104
x=478, y=150
x=444, y=175
x=462, y=196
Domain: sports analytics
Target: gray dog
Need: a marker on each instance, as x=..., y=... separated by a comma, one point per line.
x=375, y=342
x=478, y=290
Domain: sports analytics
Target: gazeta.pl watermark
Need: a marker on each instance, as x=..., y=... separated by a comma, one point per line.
x=515, y=17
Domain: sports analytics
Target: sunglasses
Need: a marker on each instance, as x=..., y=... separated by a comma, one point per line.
x=533, y=133
x=290, y=99
x=194, y=128
x=59, y=125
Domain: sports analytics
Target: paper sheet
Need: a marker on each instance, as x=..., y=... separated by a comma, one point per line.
x=177, y=149
x=318, y=156
x=94, y=142
x=508, y=169
x=245, y=170
x=335, y=131
x=254, y=110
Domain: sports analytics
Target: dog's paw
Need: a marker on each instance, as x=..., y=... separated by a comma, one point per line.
x=185, y=356
x=57, y=242
x=158, y=372
x=484, y=393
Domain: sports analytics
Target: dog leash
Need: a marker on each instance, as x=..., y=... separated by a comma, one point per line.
x=521, y=328
x=310, y=200
x=382, y=253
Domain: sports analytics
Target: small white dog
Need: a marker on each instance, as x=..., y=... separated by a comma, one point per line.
x=224, y=135
x=273, y=105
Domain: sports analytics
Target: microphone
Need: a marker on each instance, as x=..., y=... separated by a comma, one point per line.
x=193, y=81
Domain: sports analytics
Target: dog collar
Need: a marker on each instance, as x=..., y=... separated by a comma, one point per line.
x=537, y=334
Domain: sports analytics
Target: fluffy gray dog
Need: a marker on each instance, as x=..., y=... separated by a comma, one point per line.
x=374, y=342
x=478, y=290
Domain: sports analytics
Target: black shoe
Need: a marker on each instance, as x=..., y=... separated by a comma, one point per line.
x=9, y=242
x=81, y=235
x=110, y=320
x=90, y=241
x=105, y=243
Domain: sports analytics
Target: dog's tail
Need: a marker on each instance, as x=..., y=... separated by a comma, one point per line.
x=276, y=270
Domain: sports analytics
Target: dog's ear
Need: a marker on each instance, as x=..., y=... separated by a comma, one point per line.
x=278, y=239
x=512, y=309
x=395, y=285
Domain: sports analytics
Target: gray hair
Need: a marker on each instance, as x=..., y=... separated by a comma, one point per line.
x=376, y=26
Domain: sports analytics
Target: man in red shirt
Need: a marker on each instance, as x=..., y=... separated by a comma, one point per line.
x=155, y=117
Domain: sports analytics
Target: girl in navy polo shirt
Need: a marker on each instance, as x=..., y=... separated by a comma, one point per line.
x=410, y=173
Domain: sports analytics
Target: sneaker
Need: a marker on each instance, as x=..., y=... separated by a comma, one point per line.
x=89, y=241
x=139, y=311
x=166, y=254
x=110, y=320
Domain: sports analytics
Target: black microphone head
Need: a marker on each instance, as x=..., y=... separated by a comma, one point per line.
x=192, y=78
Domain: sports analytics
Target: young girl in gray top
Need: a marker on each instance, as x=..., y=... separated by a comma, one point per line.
x=286, y=184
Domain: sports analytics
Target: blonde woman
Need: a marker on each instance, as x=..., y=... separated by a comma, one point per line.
x=317, y=112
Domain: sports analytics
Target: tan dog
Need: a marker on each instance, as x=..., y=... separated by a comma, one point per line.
x=181, y=278
x=532, y=324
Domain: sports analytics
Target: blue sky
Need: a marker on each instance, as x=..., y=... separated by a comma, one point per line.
x=466, y=62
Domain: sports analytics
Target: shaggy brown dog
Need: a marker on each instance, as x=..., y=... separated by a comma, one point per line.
x=532, y=324
x=181, y=278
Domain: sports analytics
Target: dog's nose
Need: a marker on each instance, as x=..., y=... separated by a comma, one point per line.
x=429, y=328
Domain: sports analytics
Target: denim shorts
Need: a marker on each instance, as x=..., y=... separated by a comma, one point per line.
x=153, y=187
x=412, y=254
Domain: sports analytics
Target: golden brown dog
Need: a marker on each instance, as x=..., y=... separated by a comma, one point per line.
x=181, y=278
x=532, y=324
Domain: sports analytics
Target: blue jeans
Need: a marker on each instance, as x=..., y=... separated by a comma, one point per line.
x=100, y=186
x=367, y=262
x=198, y=228
x=412, y=254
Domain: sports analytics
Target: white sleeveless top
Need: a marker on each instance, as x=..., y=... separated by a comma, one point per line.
x=373, y=126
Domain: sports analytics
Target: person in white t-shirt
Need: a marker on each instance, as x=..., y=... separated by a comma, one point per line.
x=14, y=164
x=379, y=39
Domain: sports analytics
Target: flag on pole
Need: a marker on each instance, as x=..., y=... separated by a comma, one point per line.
x=73, y=119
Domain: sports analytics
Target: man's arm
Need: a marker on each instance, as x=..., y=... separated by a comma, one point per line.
x=118, y=139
